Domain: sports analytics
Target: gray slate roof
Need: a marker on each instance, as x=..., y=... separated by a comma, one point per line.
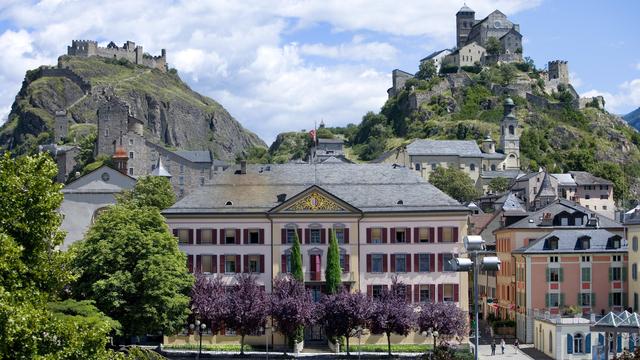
x=198, y=156
x=510, y=174
x=533, y=220
x=585, y=178
x=599, y=241
x=433, y=54
x=462, y=148
x=368, y=187
x=513, y=205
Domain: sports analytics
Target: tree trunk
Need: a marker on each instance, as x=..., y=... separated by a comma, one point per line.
x=389, y=343
x=242, y=344
x=348, y=344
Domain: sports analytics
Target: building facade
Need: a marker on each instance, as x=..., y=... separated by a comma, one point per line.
x=247, y=220
x=632, y=224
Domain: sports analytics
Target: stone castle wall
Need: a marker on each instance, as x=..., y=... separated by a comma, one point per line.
x=129, y=52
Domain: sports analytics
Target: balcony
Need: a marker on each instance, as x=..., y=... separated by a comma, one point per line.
x=318, y=276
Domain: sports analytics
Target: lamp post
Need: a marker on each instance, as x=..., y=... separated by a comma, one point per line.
x=359, y=335
x=266, y=340
x=474, y=244
x=200, y=327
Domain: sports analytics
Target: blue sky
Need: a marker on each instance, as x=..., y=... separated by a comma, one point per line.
x=282, y=65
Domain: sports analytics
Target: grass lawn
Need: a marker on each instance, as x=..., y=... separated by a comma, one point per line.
x=408, y=348
x=208, y=347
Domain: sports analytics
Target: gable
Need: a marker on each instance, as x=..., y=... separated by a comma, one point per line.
x=103, y=178
x=314, y=200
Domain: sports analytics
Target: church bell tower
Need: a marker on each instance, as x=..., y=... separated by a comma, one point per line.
x=509, y=137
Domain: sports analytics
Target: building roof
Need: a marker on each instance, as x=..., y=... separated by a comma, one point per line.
x=330, y=141
x=462, y=148
x=495, y=155
x=465, y=8
x=513, y=205
x=434, y=54
x=509, y=173
x=564, y=179
x=198, y=156
x=367, y=187
x=534, y=219
x=160, y=170
x=632, y=217
x=585, y=178
x=545, y=189
x=600, y=240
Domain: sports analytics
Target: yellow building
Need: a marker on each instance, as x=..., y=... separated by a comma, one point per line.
x=632, y=224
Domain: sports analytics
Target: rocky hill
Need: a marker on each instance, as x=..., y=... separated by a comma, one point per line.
x=174, y=115
x=633, y=118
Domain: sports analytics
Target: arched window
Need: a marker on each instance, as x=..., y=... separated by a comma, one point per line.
x=418, y=166
x=578, y=344
x=493, y=167
x=634, y=243
x=472, y=167
x=511, y=130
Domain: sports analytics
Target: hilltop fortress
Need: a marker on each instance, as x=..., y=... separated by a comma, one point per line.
x=129, y=51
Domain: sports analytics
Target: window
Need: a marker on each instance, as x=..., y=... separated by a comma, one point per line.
x=554, y=274
x=604, y=197
x=447, y=235
x=287, y=263
x=616, y=273
x=447, y=292
x=424, y=235
x=585, y=299
x=339, y=231
x=106, y=132
x=343, y=264
x=130, y=141
x=181, y=180
x=377, y=263
x=472, y=167
x=418, y=166
x=207, y=264
x=553, y=243
x=183, y=236
x=130, y=171
x=615, y=243
x=377, y=291
x=554, y=300
x=130, y=154
x=493, y=167
x=434, y=166
x=316, y=293
x=401, y=263
x=229, y=236
x=254, y=263
x=206, y=236
x=424, y=263
x=376, y=236
x=586, y=274
x=446, y=258
x=181, y=169
x=616, y=299
x=254, y=236
x=314, y=236
x=291, y=235
x=634, y=271
x=230, y=264
x=587, y=196
x=616, y=258
x=577, y=344
x=401, y=235
x=201, y=181
x=425, y=293
x=586, y=259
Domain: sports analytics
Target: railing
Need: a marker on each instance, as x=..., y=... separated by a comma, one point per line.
x=562, y=319
x=319, y=276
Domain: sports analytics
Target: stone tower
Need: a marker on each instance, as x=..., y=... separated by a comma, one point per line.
x=61, y=126
x=558, y=69
x=112, y=124
x=509, y=137
x=488, y=145
x=465, y=18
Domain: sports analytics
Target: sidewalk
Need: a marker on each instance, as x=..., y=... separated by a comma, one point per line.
x=509, y=352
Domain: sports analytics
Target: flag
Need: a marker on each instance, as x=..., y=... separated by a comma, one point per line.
x=312, y=135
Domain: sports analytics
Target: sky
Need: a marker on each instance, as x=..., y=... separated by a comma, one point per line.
x=283, y=65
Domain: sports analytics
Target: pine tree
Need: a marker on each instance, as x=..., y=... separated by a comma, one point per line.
x=296, y=259
x=333, y=272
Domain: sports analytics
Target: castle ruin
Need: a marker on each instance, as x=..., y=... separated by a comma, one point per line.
x=129, y=51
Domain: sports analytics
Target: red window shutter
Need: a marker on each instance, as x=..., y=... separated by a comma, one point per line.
x=198, y=268
x=432, y=235
x=368, y=235
x=245, y=235
x=416, y=235
x=300, y=236
x=214, y=263
x=214, y=236
x=175, y=232
x=237, y=236
x=384, y=263
x=407, y=258
x=318, y=267
x=439, y=234
x=238, y=269
x=307, y=236
x=283, y=260
x=407, y=290
x=455, y=234
x=368, y=263
x=222, y=330
x=432, y=292
x=283, y=236
x=416, y=262
x=440, y=262
x=384, y=235
x=190, y=263
x=455, y=293
x=370, y=290
x=346, y=263
x=261, y=236
x=190, y=236
x=393, y=235
x=246, y=263
x=407, y=233
x=346, y=235
x=198, y=237
x=416, y=294
x=323, y=236
x=221, y=264
x=440, y=293
x=393, y=263
x=262, y=269
x=222, y=239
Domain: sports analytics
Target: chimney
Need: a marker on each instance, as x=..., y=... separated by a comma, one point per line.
x=547, y=219
x=282, y=198
x=243, y=167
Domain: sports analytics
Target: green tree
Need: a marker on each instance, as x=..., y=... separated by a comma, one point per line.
x=426, y=70
x=333, y=271
x=499, y=185
x=255, y=155
x=154, y=191
x=296, y=259
x=508, y=73
x=324, y=133
x=455, y=183
x=130, y=265
x=493, y=46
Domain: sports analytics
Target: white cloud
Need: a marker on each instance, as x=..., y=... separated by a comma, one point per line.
x=626, y=99
x=357, y=50
x=575, y=80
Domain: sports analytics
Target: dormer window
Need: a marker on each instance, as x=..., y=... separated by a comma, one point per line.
x=552, y=243
x=584, y=243
x=615, y=242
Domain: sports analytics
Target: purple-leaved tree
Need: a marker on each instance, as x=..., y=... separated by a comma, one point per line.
x=344, y=312
x=248, y=307
x=391, y=313
x=209, y=301
x=291, y=307
x=444, y=317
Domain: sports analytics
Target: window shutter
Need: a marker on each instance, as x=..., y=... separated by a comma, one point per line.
x=455, y=234
x=455, y=293
x=384, y=263
x=237, y=236
x=569, y=344
x=416, y=262
x=547, y=301
x=440, y=262
x=238, y=263
x=384, y=235
x=610, y=299
x=407, y=289
x=214, y=263
x=432, y=262
x=432, y=292
x=440, y=293
x=198, y=268
x=624, y=299
x=198, y=236
x=222, y=239
x=346, y=235
x=610, y=274
x=368, y=235
x=407, y=233
x=283, y=236
x=587, y=344
x=370, y=290
x=261, y=236
x=593, y=300
x=439, y=234
x=262, y=269
x=579, y=301
x=548, y=273
x=393, y=263
x=190, y=263
x=407, y=260
x=245, y=235
x=214, y=236
x=368, y=263
x=416, y=294
x=561, y=300
x=300, y=236
x=307, y=236
x=560, y=274
x=393, y=235
x=221, y=264
x=432, y=235
x=346, y=263
x=246, y=263
x=623, y=270
x=283, y=263
x=619, y=347
x=323, y=236
x=190, y=236
x=175, y=232
x=222, y=331
x=416, y=235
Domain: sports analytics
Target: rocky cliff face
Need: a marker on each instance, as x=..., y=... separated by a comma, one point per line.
x=174, y=115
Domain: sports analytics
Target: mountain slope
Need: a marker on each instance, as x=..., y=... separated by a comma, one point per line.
x=633, y=118
x=174, y=115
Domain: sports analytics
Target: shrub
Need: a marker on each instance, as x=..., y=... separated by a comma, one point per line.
x=472, y=69
x=448, y=69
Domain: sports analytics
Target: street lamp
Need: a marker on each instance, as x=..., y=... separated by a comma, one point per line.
x=200, y=327
x=474, y=244
x=433, y=333
x=266, y=340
